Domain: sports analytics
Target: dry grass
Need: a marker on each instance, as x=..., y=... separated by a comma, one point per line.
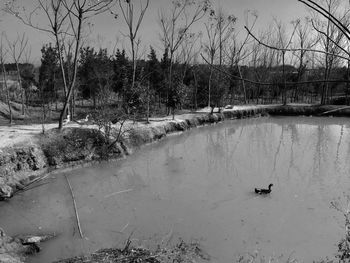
x=182, y=253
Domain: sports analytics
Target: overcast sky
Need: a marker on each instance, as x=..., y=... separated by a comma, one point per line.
x=108, y=29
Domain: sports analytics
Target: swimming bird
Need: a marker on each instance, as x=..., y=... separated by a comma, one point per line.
x=263, y=191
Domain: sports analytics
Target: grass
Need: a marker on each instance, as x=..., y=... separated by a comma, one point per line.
x=181, y=253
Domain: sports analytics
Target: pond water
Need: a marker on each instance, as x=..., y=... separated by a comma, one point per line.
x=200, y=186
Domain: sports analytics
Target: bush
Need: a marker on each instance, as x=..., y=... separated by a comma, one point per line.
x=75, y=144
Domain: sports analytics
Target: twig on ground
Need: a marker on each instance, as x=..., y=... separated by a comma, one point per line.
x=75, y=207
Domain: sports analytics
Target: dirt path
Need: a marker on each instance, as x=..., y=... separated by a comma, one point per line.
x=27, y=134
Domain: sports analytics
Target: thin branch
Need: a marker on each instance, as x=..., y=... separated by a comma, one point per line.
x=329, y=16
x=330, y=39
x=75, y=207
x=271, y=83
x=295, y=49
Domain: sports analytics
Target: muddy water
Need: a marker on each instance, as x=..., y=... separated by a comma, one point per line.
x=199, y=185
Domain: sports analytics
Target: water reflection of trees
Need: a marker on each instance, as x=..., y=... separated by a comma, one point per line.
x=290, y=149
x=294, y=139
x=319, y=153
x=337, y=161
x=215, y=149
x=174, y=163
x=280, y=141
x=306, y=146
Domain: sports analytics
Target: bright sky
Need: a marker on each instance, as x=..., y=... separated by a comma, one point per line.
x=107, y=29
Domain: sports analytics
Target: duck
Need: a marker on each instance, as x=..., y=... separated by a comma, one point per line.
x=263, y=191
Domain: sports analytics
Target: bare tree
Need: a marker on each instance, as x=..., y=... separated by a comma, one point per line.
x=195, y=77
x=304, y=42
x=79, y=12
x=263, y=59
x=4, y=76
x=66, y=19
x=331, y=39
x=210, y=48
x=175, y=27
x=237, y=52
x=219, y=29
x=17, y=48
x=133, y=23
x=283, y=43
x=188, y=53
x=57, y=18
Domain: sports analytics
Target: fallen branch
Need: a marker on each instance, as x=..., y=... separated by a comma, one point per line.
x=30, y=188
x=27, y=187
x=120, y=192
x=338, y=109
x=35, y=180
x=75, y=207
x=122, y=231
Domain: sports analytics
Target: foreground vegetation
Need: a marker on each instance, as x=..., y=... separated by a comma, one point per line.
x=181, y=252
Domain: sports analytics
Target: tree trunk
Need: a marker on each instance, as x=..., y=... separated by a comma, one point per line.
x=195, y=90
x=71, y=86
x=170, y=81
x=300, y=73
x=148, y=102
x=19, y=79
x=243, y=84
x=347, y=83
x=42, y=110
x=132, y=40
x=284, y=92
x=63, y=75
x=209, y=83
x=7, y=91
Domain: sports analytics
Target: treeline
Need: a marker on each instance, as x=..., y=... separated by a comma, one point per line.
x=104, y=78
x=101, y=75
x=217, y=66
x=29, y=80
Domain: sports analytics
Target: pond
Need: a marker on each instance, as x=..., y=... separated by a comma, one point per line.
x=200, y=186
